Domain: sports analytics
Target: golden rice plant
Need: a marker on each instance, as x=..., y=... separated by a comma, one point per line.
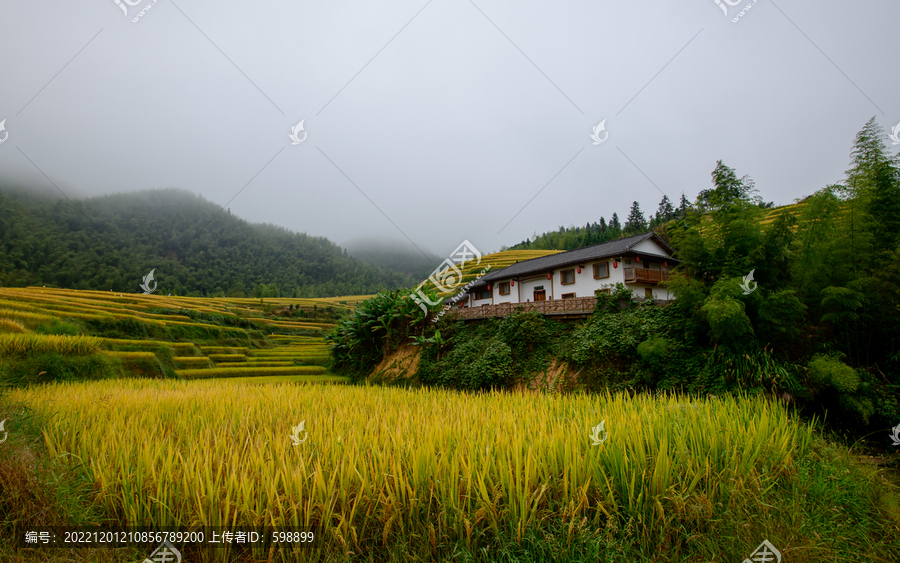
x=191, y=360
x=227, y=357
x=248, y=371
x=9, y=325
x=132, y=355
x=165, y=453
x=20, y=344
x=273, y=354
x=224, y=350
x=25, y=317
x=178, y=347
x=18, y=304
x=268, y=364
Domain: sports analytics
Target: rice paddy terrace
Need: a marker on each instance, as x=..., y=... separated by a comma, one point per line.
x=197, y=338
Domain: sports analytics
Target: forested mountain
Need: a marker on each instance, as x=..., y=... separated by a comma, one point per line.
x=195, y=247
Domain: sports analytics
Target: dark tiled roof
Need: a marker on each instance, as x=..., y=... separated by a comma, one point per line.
x=580, y=256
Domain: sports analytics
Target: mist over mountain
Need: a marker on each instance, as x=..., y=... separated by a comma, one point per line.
x=394, y=255
x=195, y=247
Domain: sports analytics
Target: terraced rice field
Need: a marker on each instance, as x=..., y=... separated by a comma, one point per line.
x=26, y=314
x=19, y=303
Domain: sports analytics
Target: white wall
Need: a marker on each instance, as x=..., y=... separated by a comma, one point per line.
x=585, y=285
x=650, y=246
x=512, y=297
x=527, y=287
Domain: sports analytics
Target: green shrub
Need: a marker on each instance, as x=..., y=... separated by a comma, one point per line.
x=728, y=323
x=828, y=370
x=653, y=350
x=472, y=364
x=493, y=367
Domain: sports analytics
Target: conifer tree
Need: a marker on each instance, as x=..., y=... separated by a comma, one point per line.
x=615, y=227
x=635, y=223
x=665, y=212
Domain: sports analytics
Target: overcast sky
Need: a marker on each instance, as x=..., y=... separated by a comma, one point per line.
x=440, y=120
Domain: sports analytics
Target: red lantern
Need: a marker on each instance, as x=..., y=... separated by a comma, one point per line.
x=579, y=269
x=637, y=258
x=512, y=283
x=615, y=264
x=550, y=276
x=489, y=287
x=665, y=264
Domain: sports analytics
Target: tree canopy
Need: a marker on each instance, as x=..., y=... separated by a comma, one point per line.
x=111, y=242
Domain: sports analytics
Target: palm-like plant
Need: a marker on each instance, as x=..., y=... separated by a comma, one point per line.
x=379, y=323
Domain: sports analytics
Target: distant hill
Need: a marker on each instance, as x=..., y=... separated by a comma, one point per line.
x=195, y=247
x=394, y=256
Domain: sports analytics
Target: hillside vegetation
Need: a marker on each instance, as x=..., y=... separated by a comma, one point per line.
x=195, y=247
x=816, y=325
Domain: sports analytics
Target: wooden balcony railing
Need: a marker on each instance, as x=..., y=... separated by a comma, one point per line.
x=580, y=306
x=644, y=275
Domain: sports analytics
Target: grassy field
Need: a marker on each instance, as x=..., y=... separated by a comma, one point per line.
x=140, y=410
x=390, y=474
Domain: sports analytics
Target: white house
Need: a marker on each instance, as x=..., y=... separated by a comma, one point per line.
x=639, y=262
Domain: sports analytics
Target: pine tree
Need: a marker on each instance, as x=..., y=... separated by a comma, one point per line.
x=615, y=226
x=683, y=207
x=635, y=223
x=665, y=212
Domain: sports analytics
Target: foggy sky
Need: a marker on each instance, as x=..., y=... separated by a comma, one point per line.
x=439, y=120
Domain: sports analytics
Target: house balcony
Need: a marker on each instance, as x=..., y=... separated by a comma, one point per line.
x=644, y=275
x=580, y=307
